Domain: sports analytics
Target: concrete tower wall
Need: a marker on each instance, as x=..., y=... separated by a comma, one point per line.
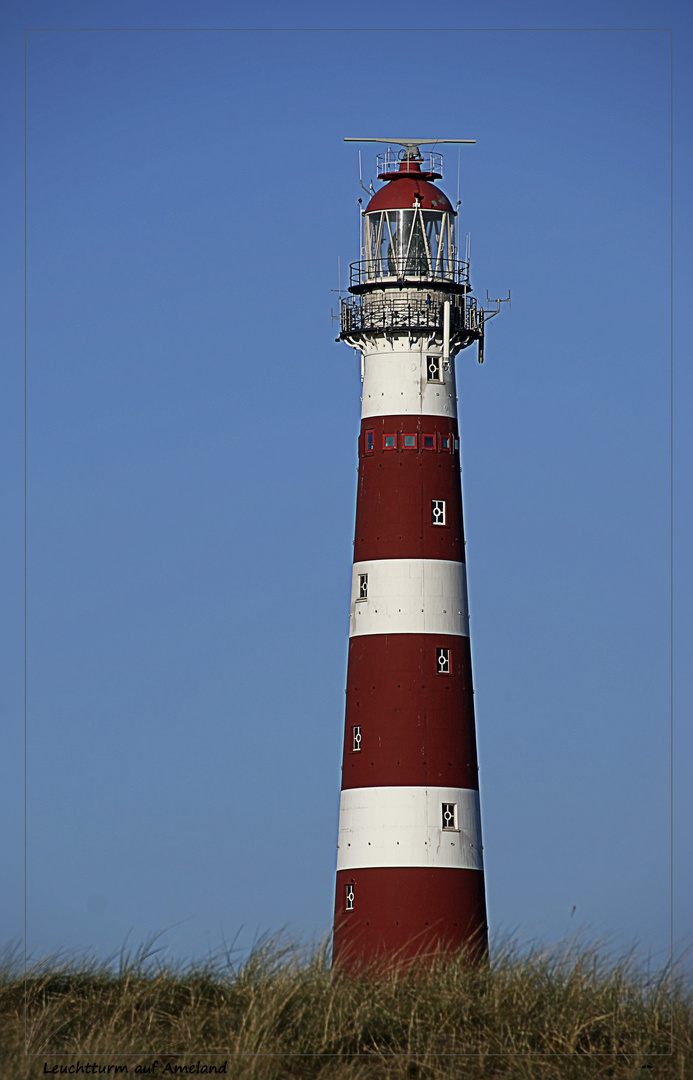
x=409, y=881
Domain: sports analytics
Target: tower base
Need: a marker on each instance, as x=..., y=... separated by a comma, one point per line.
x=402, y=914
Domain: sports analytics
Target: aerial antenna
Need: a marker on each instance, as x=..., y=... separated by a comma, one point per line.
x=459, y=155
x=368, y=193
x=338, y=290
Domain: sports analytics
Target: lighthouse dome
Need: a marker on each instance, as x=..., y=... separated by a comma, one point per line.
x=404, y=190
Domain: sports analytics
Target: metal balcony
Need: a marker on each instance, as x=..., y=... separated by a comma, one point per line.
x=368, y=315
x=369, y=273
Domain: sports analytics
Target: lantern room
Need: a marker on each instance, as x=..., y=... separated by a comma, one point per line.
x=409, y=226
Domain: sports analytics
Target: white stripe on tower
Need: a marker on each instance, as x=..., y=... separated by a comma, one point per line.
x=395, y=381
x=401, y=826
x=409, y=596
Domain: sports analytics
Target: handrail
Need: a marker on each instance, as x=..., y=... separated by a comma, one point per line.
x=367, y=271
x=390, y=161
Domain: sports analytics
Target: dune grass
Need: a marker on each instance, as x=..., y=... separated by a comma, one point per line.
x=551, y=1015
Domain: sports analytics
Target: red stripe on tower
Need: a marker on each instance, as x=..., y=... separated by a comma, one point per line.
x=409, y=865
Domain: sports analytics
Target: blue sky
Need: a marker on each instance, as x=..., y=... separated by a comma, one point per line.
x=191, y=428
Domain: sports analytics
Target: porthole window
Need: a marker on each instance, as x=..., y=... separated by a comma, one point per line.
x=434, y=369
x=437, y=511
x=363, y=587
x=409, y=442
x=356, y=737
x=370, y=442
x=449, y=815
x=429, y=442
x=443, y=661
x=389, y=442
x=350, y=898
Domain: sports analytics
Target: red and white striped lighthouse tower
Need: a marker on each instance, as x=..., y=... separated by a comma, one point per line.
x=410, y=875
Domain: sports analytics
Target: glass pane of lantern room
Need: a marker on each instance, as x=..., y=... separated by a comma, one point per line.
x=407, y=252
x=436, y=225
x=373, y=242
x=389, y=242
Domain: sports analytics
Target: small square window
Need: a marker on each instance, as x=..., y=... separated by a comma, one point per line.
x=370, y=442
x=389, y=442
x=410, y=442
x=356, y=737
x=445, y=442
x=349, y=898
x=363, y=587
x=450, y=815
x=437, y=511
x=443, y=661
x=434, y=369
x=429, y=442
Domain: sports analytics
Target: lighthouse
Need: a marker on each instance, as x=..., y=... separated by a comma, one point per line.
x=410, y=877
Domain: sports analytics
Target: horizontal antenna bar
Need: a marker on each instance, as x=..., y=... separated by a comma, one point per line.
x=414, y=142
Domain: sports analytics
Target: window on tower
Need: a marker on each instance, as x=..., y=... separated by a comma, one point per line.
x=356, y=737
x=349, y=898
x=389, y=442
x=443, y=661
x=409, y=442
x=450, y=815
x=363, y=587
x=370, y=442
x=445, y=442
x=434, y=369
x=437, y=511
x=429, y=442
